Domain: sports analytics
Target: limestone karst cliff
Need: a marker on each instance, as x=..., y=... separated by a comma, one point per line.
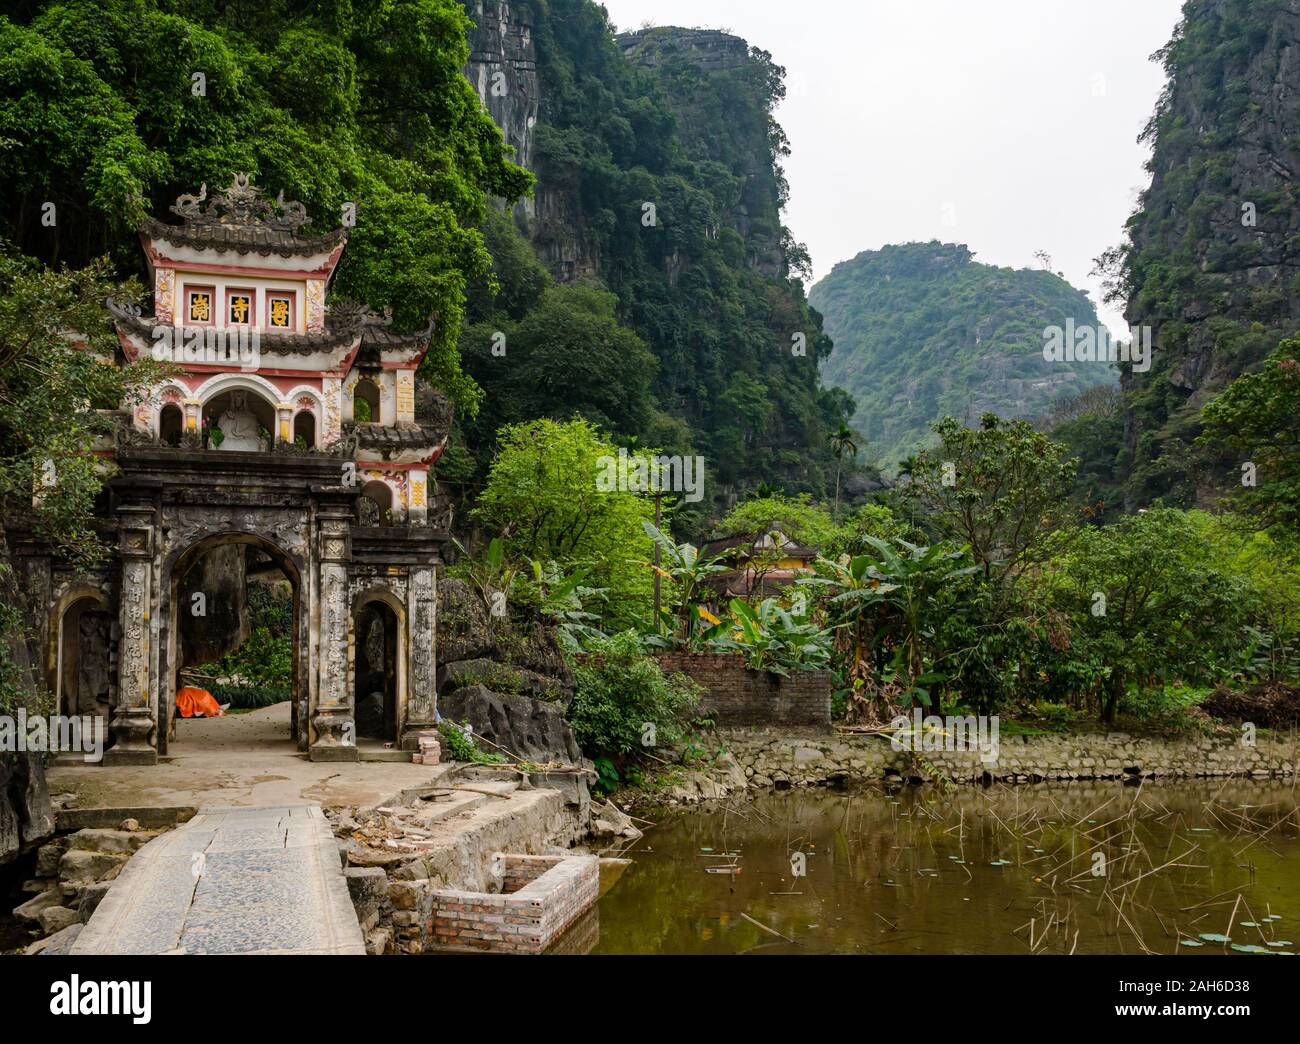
x=658, y=164
x=1211, y=261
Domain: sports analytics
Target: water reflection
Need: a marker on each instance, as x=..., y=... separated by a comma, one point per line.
x=1085, y=868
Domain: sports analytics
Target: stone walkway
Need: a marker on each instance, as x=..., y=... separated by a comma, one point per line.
x=231, y=880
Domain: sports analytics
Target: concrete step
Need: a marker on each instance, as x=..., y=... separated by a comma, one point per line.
x=382, y=754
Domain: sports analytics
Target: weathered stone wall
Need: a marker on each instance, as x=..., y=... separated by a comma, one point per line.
x=738, y=696
x=770, y=757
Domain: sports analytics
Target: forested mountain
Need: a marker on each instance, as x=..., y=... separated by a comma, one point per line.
x=1211, y=260
x=922, y=331
x=659, y=183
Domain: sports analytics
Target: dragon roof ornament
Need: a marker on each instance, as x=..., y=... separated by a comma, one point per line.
x=241, y=204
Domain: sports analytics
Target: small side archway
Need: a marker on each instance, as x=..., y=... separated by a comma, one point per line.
x=379, y=666
x=81, y=657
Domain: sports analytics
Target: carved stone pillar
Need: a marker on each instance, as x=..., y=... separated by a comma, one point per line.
x=422, y=614
x=135, y=717
x=193, y=415
x=336, y=737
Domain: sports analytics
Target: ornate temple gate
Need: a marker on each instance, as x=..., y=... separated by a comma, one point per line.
x=281, y=418
x=173, y=504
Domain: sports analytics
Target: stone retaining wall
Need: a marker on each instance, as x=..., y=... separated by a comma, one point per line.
x=767, y=757
x=735, y=695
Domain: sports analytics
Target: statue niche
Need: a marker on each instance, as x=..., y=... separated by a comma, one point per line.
x=242, y=419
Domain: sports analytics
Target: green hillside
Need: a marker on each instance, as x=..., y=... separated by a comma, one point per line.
x=921, y=330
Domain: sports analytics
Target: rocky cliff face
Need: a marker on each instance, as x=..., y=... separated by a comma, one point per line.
x=658, y=163
x=25, y=814
x=706, y=49
x=503, y=69
x=1212, y=260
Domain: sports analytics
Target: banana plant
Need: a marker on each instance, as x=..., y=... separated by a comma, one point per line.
x=770, y=637
x=565, y=599
x=890, y=603
x=683, y=566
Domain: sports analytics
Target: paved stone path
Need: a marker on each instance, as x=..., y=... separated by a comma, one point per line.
x=231, y=880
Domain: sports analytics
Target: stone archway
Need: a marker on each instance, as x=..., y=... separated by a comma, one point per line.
x=81, y=653
x=175, y=570
x=379, y=666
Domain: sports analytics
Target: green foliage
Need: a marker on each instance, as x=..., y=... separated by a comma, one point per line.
x=797, y=517
x=461, y=746
x=922, y=331
x=542, y=495
x=332, y=103
x=1257, y=415
x=687, y=573
x=999, y=489
x=250, y=697
x=265, y=658
x=568, y=603
x=52, y=383
x=624, y=692
x=772, y=637
x=891, y=605
x=712, y=286
x=568, y=356
x=1216, y=292
x=1145, y=603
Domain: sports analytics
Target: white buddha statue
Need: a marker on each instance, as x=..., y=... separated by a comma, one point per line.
x=238, y=425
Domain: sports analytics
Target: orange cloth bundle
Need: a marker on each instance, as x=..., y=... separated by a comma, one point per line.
x=197, y=703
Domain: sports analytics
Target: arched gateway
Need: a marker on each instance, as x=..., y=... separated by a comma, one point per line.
x=239, y=310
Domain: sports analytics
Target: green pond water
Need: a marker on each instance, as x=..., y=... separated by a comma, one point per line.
x=1093, y=868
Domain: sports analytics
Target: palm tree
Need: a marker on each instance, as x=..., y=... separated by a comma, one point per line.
x=843, y=444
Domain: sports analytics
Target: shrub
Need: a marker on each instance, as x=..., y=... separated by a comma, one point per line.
x=621, y=694
x=459, y=740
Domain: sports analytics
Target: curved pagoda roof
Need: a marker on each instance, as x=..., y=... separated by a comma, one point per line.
x=243, y=219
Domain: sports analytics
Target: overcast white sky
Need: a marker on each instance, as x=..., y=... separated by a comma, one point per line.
x=1007, y=125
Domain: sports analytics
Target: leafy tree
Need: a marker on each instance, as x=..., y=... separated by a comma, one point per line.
x=797, y=517
x=1257, y=415
x=543, y=496
x=622, y=692
x=843, y=444
x=889, y=606
x=688, y=573
x=1144, y=603
x=568, y=356
x=1000, y=489
x=56, y=392
x=332, y=103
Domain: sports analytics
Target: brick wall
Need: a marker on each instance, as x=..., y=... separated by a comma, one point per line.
x=734, y=695
x=543, y=896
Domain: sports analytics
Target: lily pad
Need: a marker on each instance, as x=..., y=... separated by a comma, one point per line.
x=1278, y=942
x=1215, y=937
x=1190, y=942
x=1251, y=948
